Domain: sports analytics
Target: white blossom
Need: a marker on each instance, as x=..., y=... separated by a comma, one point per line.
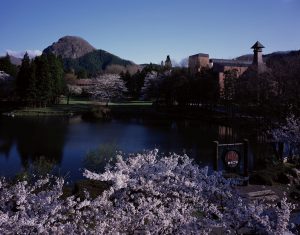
x=151, y=85
x=107, y=87
x=289, y=133
x=149, y=194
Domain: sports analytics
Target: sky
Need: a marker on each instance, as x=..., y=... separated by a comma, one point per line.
x=146, y=31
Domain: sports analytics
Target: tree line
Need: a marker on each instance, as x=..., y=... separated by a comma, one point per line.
x=38, y=82
x=41, y=81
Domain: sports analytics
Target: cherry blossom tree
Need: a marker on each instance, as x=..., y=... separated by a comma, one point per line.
x=289, y=133
x=149, y=194
x=108, y=87
x=6, y=85
x=152, y=82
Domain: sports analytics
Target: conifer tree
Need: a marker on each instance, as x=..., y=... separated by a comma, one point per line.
x=7, y=66
x=43, y=80
x=31, y=93
x=22, y=78
x=56, y=77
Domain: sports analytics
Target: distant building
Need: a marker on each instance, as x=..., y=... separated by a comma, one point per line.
x=197, y=62
x=220, y=66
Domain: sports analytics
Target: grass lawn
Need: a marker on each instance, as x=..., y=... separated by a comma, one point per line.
x=75, y=106
x=131, y=103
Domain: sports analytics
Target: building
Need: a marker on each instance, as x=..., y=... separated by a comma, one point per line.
x=220, y=66
x=257, y=50
x=197, y=62
x=258, y=62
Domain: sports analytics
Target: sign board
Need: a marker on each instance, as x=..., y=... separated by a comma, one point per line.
x=231, y=158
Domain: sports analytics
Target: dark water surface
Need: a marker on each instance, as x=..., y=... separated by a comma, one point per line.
x=67, y=140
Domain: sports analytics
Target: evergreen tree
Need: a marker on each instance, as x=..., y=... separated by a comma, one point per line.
x=44, y=89
x=56, y=77
x=7, y=66
x=23, y=78
x=31, y=93
x=168, y=63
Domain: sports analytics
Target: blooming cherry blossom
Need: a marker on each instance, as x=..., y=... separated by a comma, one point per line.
x=149, y=194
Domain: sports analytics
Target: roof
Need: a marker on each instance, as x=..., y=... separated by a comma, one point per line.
x=233, y=63
x=257, y=45
x=200, y=55
x=84, y=82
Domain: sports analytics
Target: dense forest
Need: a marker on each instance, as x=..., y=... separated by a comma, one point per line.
x=40, y=81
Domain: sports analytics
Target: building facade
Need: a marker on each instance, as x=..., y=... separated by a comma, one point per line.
x=200, y=61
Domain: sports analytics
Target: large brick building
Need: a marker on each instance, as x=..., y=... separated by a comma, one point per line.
x=197, y=62
x=220, y=66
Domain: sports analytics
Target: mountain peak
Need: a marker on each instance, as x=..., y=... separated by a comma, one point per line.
x=70, y=47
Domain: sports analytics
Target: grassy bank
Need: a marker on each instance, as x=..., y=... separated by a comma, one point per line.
x=76, y=106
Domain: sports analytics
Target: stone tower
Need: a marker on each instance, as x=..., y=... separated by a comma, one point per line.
x=257, y=58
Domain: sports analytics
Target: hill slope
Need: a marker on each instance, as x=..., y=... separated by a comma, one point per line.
x=266, y=57
x=79, y=55
x=95, y=62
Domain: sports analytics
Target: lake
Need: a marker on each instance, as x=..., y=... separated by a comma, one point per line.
x=67, y=140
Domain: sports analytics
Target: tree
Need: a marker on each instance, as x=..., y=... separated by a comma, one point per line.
x=107, y=87
x=44, y=83
x=230, y=80
x=257, y=89
x=168, y=63
x=82, y=73
x=56, y=77
x=205, y=87
x=7, y=66
x=32, y=92
x=23, y=78
x=6, y=85
x=148, y=194
x=285, y=71
x=152, y=82
x=175, y=88
x=171, y=195
x=71, y=87
x=289, y=133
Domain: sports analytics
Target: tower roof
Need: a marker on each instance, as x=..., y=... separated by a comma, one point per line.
x=257, y=45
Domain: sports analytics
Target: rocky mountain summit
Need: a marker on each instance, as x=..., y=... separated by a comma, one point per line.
x=70, y=47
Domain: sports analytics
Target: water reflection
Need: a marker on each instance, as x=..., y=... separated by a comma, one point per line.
x=67, y=141
x=33, y=137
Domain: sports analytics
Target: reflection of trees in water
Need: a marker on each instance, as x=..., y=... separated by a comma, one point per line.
x=34, y=137
x=6, y=142
x=6, y=137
